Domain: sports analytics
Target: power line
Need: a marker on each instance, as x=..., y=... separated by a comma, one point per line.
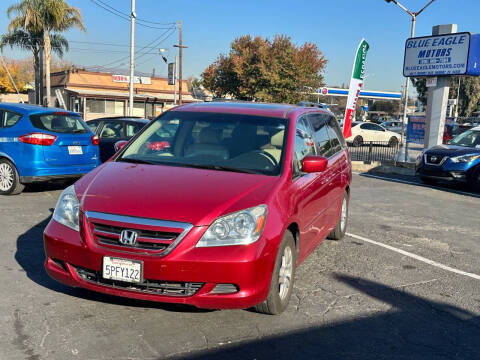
x=157, y=41
x=122, y=15
x=136, y=19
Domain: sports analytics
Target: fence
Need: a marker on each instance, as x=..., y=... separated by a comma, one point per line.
x=374, y=151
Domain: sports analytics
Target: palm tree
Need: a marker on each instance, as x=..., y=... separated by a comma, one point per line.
x=41, y=21
x=29, y=41
x=58, y=16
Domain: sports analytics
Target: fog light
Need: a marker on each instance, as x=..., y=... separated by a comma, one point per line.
x=224, y=289
x=458, y=175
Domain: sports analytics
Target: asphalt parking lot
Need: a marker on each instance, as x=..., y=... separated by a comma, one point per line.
x=404, y=284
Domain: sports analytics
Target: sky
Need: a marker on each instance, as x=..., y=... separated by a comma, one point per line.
x=209, y=26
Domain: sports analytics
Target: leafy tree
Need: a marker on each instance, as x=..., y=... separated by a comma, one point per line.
x=38, y=23
x=469, y=96
x=6, y=85
x=261, y=69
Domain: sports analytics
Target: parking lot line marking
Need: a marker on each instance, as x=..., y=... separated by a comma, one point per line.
x=417, y=184
x=416, y=257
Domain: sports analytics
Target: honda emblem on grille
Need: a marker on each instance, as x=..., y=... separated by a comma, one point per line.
x=128, y=237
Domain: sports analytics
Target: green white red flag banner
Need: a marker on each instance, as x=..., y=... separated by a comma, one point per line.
x=358, y=74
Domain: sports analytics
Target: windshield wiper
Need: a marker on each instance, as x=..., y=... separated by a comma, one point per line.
x=136, y=161
x=221, y=167
x=77, y=131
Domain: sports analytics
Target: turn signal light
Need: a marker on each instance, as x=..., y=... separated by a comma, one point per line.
x=38, y=139
x=95, y=140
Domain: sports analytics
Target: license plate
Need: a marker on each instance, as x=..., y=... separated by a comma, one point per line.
x=75, y=150
x=122, y=269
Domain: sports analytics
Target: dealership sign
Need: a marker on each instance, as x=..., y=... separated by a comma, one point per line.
x=416, y=128
x=136, y=79
x=451, y=54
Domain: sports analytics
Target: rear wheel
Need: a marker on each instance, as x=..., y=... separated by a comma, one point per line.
x=9, y=179
x=281, y=285
x=339, y=232
x=357, y=141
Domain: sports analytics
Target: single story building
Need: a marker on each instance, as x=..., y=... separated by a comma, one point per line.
x=101, y=94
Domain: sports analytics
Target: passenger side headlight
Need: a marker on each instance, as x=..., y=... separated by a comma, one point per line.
x=465, y=158
x=239, y=228
x=66, y=211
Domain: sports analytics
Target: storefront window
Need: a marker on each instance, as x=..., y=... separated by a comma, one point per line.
x=95, y=106
x=139, y=109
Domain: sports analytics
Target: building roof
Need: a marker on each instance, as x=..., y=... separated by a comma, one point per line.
x=124, y=94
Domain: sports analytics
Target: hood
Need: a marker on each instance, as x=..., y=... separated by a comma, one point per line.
x=451, y=150
x=196, y=196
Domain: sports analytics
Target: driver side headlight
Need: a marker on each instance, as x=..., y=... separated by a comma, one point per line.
x=465, y=158
x=239, y=228
x=66, y=210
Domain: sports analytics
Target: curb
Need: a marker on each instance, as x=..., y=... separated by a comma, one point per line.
x=405, y=169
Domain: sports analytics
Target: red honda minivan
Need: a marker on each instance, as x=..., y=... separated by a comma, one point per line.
x=218, y=216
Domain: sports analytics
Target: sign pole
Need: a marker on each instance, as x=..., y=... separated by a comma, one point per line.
x=437, y=99
x=405, y=106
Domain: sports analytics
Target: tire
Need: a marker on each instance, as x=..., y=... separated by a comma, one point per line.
x=339, y=231
x=358, y=141
x=278, y=296
x=9, y=179
x=427, y=181
x=474, y=180
x=393, y=142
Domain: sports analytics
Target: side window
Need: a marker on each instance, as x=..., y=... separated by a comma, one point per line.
x=112, y=130
x=333, y=124
x=320, y=133
x=93, y=124
x=376, y=127
x=304, y=144
x=365, y=126
x=8, y=119
x=132, y=128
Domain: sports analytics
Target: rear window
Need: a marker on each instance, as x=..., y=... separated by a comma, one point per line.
x=59, y=123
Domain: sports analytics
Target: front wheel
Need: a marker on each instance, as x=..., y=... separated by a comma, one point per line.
x=9, y=179
x=393, y=142
x=339, y=231
x=281, y=285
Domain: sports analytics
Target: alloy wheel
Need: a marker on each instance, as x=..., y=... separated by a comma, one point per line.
x=6, y=177
x=285, y=273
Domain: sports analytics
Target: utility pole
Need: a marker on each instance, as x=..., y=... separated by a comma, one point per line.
x=132, y=59
x=180, y=56
x=175, y=82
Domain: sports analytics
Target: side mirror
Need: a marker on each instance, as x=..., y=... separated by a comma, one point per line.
x=314, y=163
x=119, y=145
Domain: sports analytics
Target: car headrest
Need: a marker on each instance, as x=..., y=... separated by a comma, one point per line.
x=209, y=136
x=57, y=123
x=277, y=139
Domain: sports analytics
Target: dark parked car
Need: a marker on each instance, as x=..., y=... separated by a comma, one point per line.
x=113, y=129
x=458, y=161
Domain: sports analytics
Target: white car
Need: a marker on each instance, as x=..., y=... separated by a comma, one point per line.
x=364, y=132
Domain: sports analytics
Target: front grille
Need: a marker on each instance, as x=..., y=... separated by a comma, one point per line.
x=147, y=239
x=157, y=287
x=149, y=236
x=434, y=159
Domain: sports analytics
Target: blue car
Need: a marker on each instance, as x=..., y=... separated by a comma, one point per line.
x=457, y=161
x=41, y=144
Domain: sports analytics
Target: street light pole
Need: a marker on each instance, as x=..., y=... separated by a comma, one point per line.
x=132, y=59
x=412, y=34
x=180, y=47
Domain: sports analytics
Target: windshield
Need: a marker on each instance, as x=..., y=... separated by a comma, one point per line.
x=470, y=138
x=60, y=123
x=227, y=142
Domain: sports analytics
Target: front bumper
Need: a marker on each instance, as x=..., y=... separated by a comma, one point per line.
x=70, y=256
